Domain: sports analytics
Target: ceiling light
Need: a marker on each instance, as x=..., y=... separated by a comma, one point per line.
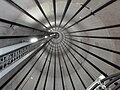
x=32, y=40
x=80, y=17
x=41, y=44
x=46, y=36
x=31, y=78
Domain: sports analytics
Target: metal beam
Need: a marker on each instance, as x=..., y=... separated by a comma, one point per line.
x=1, y=87
x=80, y=9
x=41, y=9
x=73, y=86
x=99, y=58
x=21, y=25
x=65, y=11
x=94, y=12
x=79, y=62
x=48, y=69
x=31, y=68
x=54, y=81
x=99, y=70
x=39, y=78
x=24, y=11
x=98, y=28
x=24, y=36
x=97, y=37
x=75, y=69
x=54, y=8
x=109, y=50
x=61, y=72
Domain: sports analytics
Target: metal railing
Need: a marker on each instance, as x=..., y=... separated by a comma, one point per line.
x=12, y=56
x=105, y=83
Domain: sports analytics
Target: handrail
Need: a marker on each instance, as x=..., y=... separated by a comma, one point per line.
x=12, y=56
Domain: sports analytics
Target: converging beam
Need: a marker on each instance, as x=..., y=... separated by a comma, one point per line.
x=75, y=69
x=54, y=8
x=54, y=70
x=21, y=25
x=1, y=87
x=99, y=58
x=96, y=29
x=97, y=37
x=99, y=70
x=30, y=69
x=24, y=11
x=94, y=12
x=79, y=62
x=109, y=50
x=39, y=78
x=78, y=11
x=48, y=69
x=73, y=86
x=24, y=36
x=65, y=11
x=41, y=9
x=61, y=72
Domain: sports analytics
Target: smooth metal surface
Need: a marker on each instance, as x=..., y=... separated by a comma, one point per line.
x=68, y=58
x=94, y=12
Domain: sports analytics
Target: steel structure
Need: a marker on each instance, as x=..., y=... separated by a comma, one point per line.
x=66, y=52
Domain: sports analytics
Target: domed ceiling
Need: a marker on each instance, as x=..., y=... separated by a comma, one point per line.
x=80, y=50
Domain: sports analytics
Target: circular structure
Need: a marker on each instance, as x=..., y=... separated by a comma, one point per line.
x=75, y=55
x=56, y=35
x=58, y=38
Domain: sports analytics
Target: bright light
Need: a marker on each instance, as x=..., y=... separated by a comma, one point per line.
x=101, y=77
x=52, y=35
x=41, y=44
x=31, y=77
x=80, y=17
x=32, y=40
x=46, y=36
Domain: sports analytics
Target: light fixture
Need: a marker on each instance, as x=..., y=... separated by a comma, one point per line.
x=52, y=34
x=32, y=40
x=80, y=17
x=42, y=44
x=46, y=36
x=31, y=78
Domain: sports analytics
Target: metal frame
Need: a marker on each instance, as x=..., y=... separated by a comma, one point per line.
x=41, y=9
x=68, y=44
x=25, y=12
x=94, y=12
